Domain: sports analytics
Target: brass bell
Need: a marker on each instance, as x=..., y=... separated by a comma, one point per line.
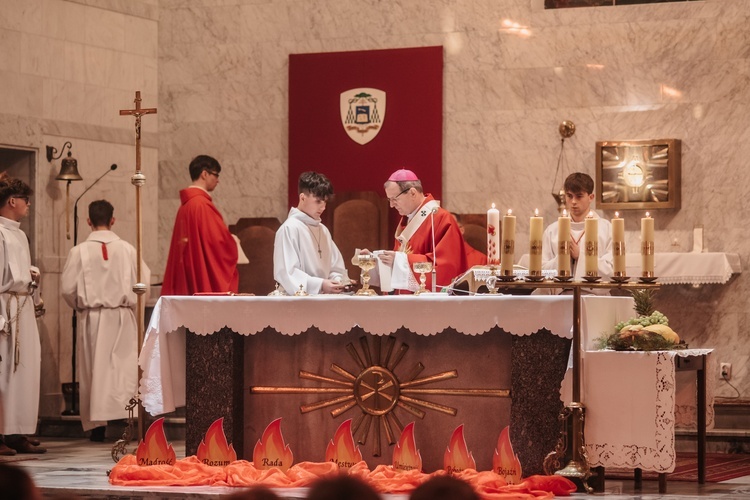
x=69, y=170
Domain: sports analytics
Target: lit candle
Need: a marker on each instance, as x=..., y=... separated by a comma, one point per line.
x=563, y=245
x=591, y=243
x=493, y=236
x=509, y=244
x=647, y=246
x=536, y=228
x=618, y=245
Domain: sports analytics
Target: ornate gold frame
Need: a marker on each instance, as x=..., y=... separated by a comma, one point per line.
x=641, y=175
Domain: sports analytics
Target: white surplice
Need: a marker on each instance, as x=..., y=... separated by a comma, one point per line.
x=304, y=254
x=20, y=350
x=100, y=290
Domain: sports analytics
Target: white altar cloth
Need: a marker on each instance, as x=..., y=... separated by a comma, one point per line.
x=681, y=268
x=631, y=399
x=163, y=355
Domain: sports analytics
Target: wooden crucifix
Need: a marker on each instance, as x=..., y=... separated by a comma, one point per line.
x=138, y=180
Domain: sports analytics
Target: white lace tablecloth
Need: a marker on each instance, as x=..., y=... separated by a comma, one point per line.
x=633, y=403
x=688, y=268
x=163, y=355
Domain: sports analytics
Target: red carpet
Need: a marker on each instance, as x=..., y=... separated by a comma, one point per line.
x=719, y=467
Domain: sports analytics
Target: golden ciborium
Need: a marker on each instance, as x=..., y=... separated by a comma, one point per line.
x=366, y=262
x=422, y=268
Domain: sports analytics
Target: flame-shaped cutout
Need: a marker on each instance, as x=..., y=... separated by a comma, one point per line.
x=341, y=449
x=457, y=456
x=214, y=450
x=154, y=448
x=271, y=451
x=406, y=456
x=505, y=462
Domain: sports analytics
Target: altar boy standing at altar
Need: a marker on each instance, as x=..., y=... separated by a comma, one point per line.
x=579, y=193
x=20, y=349
x=426, y=233
x=304, y=254
x=97, y=281
x=203, y=254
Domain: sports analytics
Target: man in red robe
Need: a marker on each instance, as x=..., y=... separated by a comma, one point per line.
x=203, y=254
x=426, y=233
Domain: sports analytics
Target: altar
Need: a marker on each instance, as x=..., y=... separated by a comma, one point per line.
x=493, y=343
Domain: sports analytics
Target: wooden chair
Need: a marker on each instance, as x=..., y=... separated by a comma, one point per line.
x=357, y=219
x=256, y=238
x=475, y=230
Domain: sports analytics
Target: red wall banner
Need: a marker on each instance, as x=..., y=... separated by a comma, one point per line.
x=408, y=120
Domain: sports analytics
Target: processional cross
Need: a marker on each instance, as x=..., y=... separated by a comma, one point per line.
x=138, y=180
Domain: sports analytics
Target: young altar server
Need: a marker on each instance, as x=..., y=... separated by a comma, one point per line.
x=97, y=281
x=426, y=233
x=304, y=254
x=203, y=254
x=579, y=193
x=20, y=349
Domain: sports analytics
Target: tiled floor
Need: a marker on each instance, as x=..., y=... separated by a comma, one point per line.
x=79, y=467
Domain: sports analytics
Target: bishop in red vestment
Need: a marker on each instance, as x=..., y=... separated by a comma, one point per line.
x=203, y=254
x=426, y=233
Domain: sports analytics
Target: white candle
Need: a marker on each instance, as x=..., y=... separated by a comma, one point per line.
x=493, y=236
x=618, y=245
x=509, y=244
x=563, y=244
x=536, y=228
x=647, y=246
x=591, y=244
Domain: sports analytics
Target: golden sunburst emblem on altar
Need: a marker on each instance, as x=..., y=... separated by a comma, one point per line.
x=377, y=391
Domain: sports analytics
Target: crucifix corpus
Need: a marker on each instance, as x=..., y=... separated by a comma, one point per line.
x=138, y=180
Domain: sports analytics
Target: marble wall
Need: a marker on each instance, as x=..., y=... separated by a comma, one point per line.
x=513, y=72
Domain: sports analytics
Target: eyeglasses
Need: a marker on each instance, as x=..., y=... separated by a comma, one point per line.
x=24, y=198
x=216, y=174
x=391, y=200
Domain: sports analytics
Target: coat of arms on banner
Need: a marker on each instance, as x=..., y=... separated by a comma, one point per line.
x=362, y=113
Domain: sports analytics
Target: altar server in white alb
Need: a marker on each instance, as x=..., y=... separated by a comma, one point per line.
x=304, y=254
x=97, y=282
x=20, y=349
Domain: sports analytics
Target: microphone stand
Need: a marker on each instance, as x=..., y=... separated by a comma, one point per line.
x=434, y=251
x=74, y=324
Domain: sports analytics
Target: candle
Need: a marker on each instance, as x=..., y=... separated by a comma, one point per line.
x=591, y=243
x=618, y=245
x=536, y=228
x=647, y=246
x=563, y=245
x=509, y=244
x=493, y=236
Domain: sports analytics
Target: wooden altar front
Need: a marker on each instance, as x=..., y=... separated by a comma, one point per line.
x=493, y=342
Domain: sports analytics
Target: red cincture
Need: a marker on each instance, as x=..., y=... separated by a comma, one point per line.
x=104, y=251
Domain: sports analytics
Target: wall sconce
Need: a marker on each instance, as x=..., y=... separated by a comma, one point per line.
x=567, y=128
x=68, y=172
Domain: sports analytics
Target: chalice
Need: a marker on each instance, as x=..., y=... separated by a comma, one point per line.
x=422, y=268
x=366, y=262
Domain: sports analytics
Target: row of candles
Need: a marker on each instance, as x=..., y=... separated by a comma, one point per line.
x=504, y=255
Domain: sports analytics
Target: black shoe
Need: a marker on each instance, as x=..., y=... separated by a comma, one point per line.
x=97, y=434
x=22, y=445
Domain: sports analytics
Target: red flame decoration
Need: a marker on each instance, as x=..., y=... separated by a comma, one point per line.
x=154, y=448
x=491, y=230
x=341, y=449
x=214, y=449
x=406, y=456
x=457, y=456
x=271, y=451
x=505, y=462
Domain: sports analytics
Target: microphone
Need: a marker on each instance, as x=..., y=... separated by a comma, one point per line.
x=75, y=205
x=434, y=251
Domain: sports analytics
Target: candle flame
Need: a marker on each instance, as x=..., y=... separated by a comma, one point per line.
x=565, y=213
x=510, y=212
x=617, y=214
x=493, y=205
x=590, y=215
x=648, y=215
x=536, y=212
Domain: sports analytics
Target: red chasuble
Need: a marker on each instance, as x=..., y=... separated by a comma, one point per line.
x=474, y=257
x=203, y=254
x=449, y=242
